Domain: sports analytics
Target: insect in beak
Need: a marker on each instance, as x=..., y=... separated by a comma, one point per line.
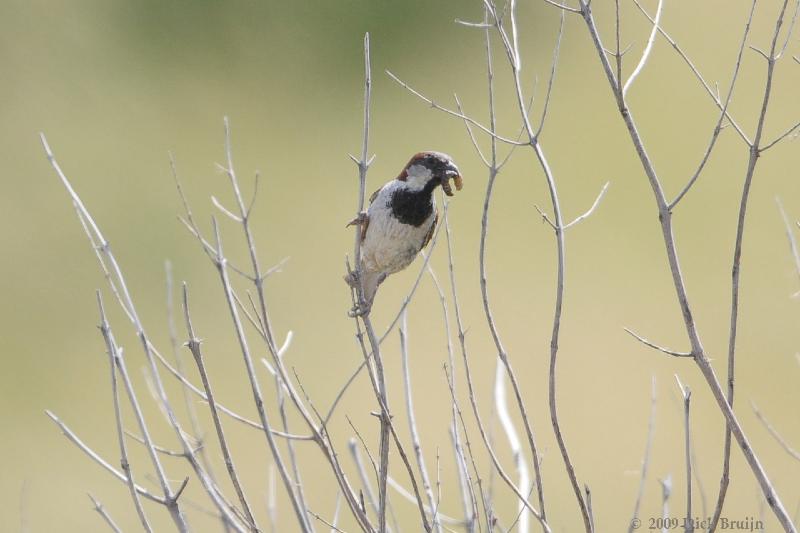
x=456, y=177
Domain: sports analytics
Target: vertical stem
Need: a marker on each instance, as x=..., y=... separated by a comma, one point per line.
x=194, y=346
x=222, y=268
x=501, y=352
x=560, y=258
x=755, y=152
x=385, y=430
x=412, y=424
x=113, y=358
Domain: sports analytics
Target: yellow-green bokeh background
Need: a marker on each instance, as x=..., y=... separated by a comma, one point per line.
x=116, y=85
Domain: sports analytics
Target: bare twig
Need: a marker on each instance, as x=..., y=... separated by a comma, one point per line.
x=454, y=113
x=194, y=347
x=114, y=356
x=104, y=514
x=651, y=424
x=514, y=57
x=656, y=346
x=468, y=498
x=792, y=129
x=222, y=267
x=687, y=396
x=646, y=53
x=503, y=416
x=666, y=492
x=711, y=92
x=329, y=524
x=442, y=518
x=755, y=152
x=493, y=172
x=790, y=237
x=197, y=433
x=474, y=402
x=591, y=209
x=723, y=113
x=562, y=7
x=794, y=454
x=99, y=460
x=380, y=391
x=412, y=424
x=360, y=468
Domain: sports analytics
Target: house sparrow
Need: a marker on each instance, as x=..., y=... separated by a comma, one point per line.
x=400, y=221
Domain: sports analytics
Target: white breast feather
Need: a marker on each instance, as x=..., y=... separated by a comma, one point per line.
x=390, y=246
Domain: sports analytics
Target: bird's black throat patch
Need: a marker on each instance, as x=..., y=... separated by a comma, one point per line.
x=413, y=207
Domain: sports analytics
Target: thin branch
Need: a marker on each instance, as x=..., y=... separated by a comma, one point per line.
x=221, y=264
x=197, y=434
x=723, y=113
x=229, y=412
x=656, y=346
x=760, y=52
x=474, y=403
x=781, y=137
x=455, y=113
x=329, y=524
x=591, y=209
x=696, y=73
x=480, y=25
x=360, y=468
x=551, y=81
x=560, y=265
x=194, y=347
x=225, y=210
x=651, y=424
x=412, y=424
x=794, y=454
x=114, y=354
x=379, y=381
x=563, y=7
x=501, y=352
x=666, y=492
x=468, y=499
x=790, y=237
x=735, y=283
x=336, y=511
x=159, y=449
x=647, y=49
x=432, y=510
x=104, y=514
x=687, y=396
x=470, y=133
x=503, y=416
x=588, y=496
x=99, y=460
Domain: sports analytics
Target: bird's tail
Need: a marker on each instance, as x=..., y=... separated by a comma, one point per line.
x=371, y=281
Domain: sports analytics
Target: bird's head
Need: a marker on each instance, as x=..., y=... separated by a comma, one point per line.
x=431, y=168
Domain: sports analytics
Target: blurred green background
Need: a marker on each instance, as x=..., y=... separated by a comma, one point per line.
x=116, y=85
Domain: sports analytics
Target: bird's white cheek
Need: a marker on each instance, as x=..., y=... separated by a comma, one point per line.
x=417, y=177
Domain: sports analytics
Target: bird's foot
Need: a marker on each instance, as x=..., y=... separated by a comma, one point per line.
x=351, y=278
x=360, y=309
x=360, y=220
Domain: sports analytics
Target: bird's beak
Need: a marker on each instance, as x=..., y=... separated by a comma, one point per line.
x=451, y=173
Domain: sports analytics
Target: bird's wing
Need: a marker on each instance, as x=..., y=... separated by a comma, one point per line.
x=431, y=231
x=365, y=224
x=374, y=195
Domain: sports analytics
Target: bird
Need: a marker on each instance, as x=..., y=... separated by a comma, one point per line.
x=400, y=221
